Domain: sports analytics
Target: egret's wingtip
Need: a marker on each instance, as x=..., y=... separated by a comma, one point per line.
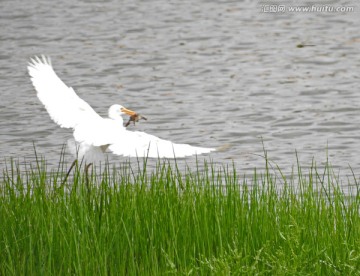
x=43, y=59
x=46, y=59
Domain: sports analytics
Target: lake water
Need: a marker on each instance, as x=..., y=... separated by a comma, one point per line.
x=226, y=74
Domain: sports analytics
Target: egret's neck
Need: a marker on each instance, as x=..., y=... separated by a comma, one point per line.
x=117, y=118
x=115, y=115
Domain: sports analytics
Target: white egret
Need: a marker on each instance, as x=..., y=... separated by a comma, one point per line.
x=94, y=134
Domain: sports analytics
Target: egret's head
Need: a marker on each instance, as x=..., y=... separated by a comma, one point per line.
x=117, y=110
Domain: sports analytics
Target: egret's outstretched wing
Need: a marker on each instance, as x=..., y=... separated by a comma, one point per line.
x=60, y=101
x=141, y=144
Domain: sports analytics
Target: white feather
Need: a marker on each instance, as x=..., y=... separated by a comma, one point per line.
x=60, y=101
x=142, y=144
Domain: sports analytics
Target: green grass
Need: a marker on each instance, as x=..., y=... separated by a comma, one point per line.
x=206, y=221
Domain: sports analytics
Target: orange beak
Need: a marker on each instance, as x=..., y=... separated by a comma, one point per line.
x=128, y=111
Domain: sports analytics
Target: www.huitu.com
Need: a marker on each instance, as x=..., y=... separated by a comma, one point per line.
x=305, y=9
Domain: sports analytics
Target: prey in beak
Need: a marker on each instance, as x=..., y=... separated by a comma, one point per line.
x=134, y=117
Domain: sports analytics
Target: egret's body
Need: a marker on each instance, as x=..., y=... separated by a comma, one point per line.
x=92, y=133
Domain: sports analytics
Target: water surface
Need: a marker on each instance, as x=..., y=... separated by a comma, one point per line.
x=207, y=73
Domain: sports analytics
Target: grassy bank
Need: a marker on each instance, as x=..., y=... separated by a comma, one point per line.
x=208, y=221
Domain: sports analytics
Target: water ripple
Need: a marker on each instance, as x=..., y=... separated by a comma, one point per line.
x=209, y=73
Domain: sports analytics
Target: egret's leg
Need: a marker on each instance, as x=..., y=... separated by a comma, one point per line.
x=87, y=166
x=68, y=173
